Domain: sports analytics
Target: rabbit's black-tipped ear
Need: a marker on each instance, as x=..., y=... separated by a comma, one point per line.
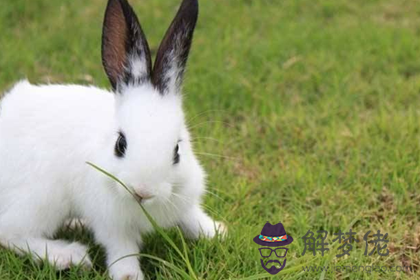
x=173, y=52
x=125, y=51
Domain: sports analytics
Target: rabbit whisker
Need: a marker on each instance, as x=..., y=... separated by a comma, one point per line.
x=204, y=113
x=191, y=127
x=216, y=155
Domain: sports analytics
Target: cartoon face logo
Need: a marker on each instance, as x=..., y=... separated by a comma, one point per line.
x=271, y=241
x=269, y=258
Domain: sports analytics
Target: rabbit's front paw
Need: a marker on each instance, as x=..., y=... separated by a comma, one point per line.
x=209, y=230
x=221, y=229
x=125, y=273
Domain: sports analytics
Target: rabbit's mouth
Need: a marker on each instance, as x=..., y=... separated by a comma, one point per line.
x=138, y=198
x=142, y=198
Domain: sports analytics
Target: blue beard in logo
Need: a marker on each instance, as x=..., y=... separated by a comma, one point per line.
x=273, y=270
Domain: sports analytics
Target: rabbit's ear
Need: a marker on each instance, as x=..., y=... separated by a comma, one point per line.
x=125, y=51
x=173, y=52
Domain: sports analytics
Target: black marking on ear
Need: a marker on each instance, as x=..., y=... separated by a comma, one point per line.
x=125, y=51
x=173, y=52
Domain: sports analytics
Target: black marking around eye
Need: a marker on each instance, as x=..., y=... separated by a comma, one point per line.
x=176, y=155
x=120, y=145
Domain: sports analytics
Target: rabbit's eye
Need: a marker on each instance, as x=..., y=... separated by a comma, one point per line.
x=121, y=145
x=176, y=154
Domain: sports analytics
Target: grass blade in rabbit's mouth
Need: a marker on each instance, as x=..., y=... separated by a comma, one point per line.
x=138, y=198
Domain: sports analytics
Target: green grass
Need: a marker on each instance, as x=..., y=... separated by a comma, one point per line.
x=304, y=112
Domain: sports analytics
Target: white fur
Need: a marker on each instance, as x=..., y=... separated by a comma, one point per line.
x=138, y=66
x=49, y=132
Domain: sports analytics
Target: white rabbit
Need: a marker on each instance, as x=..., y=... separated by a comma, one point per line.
x=137, y=133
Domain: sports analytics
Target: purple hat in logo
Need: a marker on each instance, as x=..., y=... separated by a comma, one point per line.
x=273, y=236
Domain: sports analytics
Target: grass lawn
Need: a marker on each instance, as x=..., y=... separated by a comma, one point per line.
x=303, y=111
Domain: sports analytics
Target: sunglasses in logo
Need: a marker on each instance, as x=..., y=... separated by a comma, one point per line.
x=266, y=252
